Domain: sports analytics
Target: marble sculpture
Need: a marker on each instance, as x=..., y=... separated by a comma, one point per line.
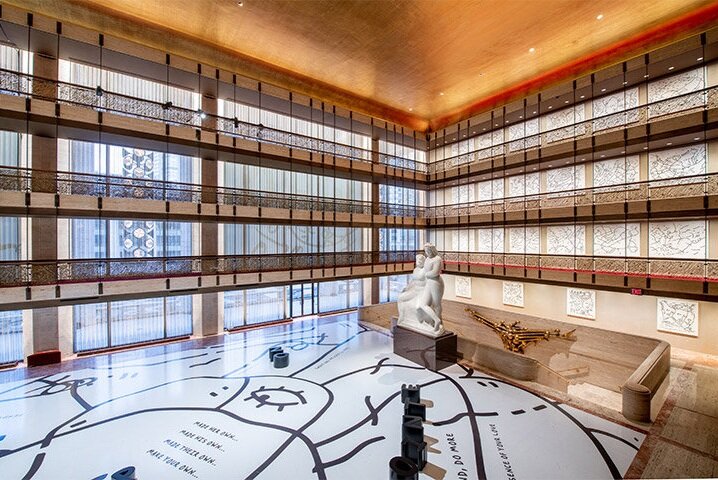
x=420, y=302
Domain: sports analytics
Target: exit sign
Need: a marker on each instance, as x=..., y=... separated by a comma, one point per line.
x=636, y=291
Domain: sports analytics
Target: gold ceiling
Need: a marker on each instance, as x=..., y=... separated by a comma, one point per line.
x=418, y=60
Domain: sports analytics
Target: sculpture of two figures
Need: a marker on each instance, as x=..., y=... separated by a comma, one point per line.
x=420, y=302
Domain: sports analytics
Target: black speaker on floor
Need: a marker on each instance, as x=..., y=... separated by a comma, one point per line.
x=401, y=468
x=273, y=351
x=281, y=359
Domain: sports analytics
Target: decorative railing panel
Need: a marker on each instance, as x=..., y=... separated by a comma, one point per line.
x=14, y=83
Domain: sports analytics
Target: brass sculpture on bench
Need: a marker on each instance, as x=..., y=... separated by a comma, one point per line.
x=515, y=337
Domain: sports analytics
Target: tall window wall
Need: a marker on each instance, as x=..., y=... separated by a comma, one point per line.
x=125, y=84
x=299, y=126
x=261, y=305
x=258, y=239
x=112, y=324
x=252, y=177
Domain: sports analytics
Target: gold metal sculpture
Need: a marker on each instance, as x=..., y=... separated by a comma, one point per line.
x=515, y=337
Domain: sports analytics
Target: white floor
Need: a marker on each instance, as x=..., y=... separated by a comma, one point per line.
x=224, y=412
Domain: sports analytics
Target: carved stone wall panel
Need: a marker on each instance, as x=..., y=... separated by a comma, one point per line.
x=566, y=240
x=520, y=185
x=677, y=162
x=581, y=303
x=677, y=316
x=565, y=178
x=617, y=239
x=604, y=107
x=677, y=239
x=513, y=294
x=616, y=171
x=566, y=117
x=462, y=287
x=524, y=240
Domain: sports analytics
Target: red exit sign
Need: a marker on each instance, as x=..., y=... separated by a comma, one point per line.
x=636, y=291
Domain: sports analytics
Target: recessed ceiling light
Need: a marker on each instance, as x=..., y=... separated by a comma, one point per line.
x=464, y=135
x=669, y=143
x=550, y=107
x=645, y=148
x=441, y=94
x=454, y=138
x=506, y=121
x=625, y=83
x=623, y=151
x=534, y=111
x=521, y=170
x=566, y=101
x=602, y=156
x=532, y=50
x=484, y=129
x=671, y=68
x=583, y=96
x=699, y=59
x=521, y=116
x=473, y=132
x=411, y=109
x=534, y=168
x=496, y=125
x=599, y=17
x=568, y=161
x=603, y=89
x=696, y=138
x=646, y=76
x=550, y=165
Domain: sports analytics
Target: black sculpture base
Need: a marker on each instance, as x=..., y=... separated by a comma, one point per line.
x=432, y=353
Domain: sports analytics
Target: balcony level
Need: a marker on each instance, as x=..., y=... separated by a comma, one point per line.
x=657, y=276
x=631, y=131
x=52, y=108
x=35, y=192
x=34, y=284
x=689, y=196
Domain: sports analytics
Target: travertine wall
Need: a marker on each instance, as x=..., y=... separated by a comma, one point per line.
x=621, y=312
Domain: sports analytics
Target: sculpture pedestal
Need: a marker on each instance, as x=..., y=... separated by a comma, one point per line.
x=432, y=353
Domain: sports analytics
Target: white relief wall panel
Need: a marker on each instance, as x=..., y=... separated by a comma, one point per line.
x=524, y=240
x=616, y=171
x=605, y=106
x=462, y=240
x=677, y=316
x=462, y=287
x=581, y=303
x=565, y=178
x=513, y=294
x=677, y=239
x=491, y=190
x=561, y=118
x=677, y=162
x=491, y=240
x=462, y=194
x=483, y=144
x=617, y=239
x=520, y=185
x=524, y=135
x=680, y=85
x=566, y=240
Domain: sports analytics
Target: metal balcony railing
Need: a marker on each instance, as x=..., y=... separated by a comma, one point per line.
x=641, y=115
x=15, y=83
x=68, y=183
x=37, y=272
x=673, y=188
x=705, y=270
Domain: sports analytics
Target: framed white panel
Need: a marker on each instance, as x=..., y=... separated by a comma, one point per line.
x=462, y=287
x=566, y=240
x=679, y=239
x=677, y=316
x=565, y=178
x=616, y=171
x=524, y=240
x=513, y=294
x=617, y=239
x=581, y=303
x=677, y=162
